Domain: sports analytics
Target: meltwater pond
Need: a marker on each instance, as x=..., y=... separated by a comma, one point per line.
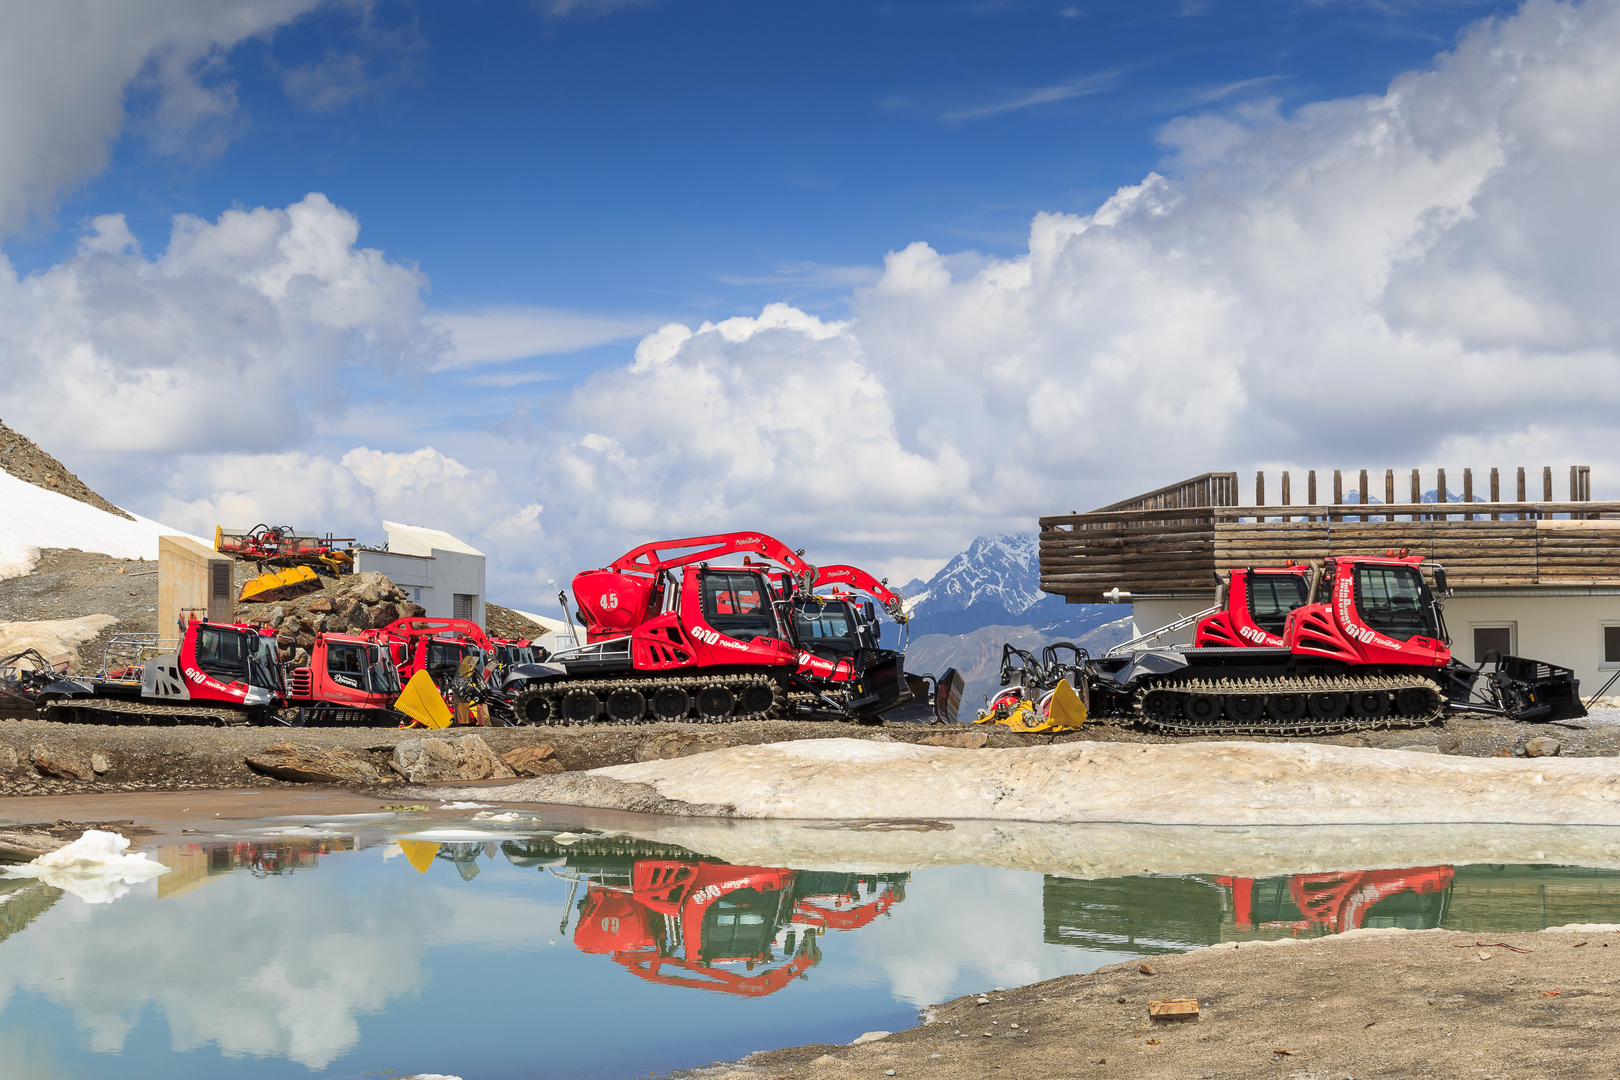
x=524, y=944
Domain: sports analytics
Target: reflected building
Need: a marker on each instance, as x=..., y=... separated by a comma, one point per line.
x=677, y=918
x=1170, y=914
x=193, y=865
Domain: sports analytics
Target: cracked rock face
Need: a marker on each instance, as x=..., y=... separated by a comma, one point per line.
x=466, y=757
x=312, y=764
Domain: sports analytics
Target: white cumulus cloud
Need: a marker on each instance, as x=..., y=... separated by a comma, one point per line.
x=1414, y=278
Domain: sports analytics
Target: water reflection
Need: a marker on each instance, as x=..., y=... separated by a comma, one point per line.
x=1170, y=914
x=347, y=952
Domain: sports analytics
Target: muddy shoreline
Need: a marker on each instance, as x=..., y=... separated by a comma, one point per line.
x=1361, y=1004
x=192, y=758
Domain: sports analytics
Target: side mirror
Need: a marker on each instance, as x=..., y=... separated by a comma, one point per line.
x=1440, y=578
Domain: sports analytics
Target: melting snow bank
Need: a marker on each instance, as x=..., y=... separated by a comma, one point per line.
x=95, y=867
x=1229, y=783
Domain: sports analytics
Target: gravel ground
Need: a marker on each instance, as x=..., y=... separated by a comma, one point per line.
x=1370, y=1003
x=72, y=584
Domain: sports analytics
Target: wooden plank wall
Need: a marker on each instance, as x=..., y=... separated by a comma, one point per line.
x=1085, y=555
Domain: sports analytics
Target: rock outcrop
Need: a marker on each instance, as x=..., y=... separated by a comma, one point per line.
x=430, y=760
x=313, y=764
x=533, y=760
x=349, y=604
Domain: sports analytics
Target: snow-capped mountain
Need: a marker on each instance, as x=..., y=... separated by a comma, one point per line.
x=995, y=582
x=990, y=594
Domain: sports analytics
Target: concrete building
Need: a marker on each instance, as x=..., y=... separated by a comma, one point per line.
x=443, y=574
x=1532, y=578
x=193, y=581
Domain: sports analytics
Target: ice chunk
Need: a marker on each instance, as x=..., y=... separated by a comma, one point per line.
x=96, y=867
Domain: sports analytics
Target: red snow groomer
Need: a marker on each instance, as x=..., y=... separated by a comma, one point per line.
x=671, y=633
x=217, y=673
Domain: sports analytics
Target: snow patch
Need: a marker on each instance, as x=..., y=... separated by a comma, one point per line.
x=95, y=867
x=1236, y=783
x=36, y=518
x=52, y=637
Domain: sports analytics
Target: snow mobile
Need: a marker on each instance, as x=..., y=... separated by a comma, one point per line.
x=217, y=673
x=1368, y=649
x=670, y=634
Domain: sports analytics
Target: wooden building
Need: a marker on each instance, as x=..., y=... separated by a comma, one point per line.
x=1536, y=577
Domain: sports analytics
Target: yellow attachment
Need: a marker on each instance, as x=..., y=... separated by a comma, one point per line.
x=419, y=853
x=421, y=702
x=279, y=585
x=1065, y=712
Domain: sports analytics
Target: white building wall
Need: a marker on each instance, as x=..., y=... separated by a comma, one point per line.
x=1149, y=615
x=432, y=580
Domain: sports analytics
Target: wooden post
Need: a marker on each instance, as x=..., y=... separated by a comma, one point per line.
x=1496, y=491
x=1417, y=494
x=1468, y=491
x=1310, y=491
x=1287, y=492
x=1363, y=491
x=1520, y=517
x=1338, y=493
x=1260, y=492
x=1546, y=483
x=1389, y=491
x=1440, y=492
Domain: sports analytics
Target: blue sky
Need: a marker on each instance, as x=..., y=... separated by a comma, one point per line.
x=1149, y=225
x=699, y=158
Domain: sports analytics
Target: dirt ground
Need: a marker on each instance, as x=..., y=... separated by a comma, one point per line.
x=192, y=758
x=1378, y=1003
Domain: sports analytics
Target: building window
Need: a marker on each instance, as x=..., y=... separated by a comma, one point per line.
x=1498, y=639
x=1611, y=644
x=464, y=605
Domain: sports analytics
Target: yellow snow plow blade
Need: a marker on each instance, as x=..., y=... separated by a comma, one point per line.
x=1067, y=712
x=421, y=702
x=279, y=585
x=419, y=853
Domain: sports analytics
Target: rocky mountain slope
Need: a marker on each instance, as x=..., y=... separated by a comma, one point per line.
x=990, y=594
x=21, y=457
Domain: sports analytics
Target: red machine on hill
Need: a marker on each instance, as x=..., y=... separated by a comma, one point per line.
x=217, y=673
x=670, y=633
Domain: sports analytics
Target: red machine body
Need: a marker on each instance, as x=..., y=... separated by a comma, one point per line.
x=716, y=617
x=224, y=662
x=349, y=677
x=434, y=645
x=1257, y=605
x=1393, y=587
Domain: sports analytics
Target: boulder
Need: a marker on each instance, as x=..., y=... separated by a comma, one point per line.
x=100, y=763
x=368, y=595
x=277, y=614
x=374, y=578
x=1542, y=746
x=351, y=610
x=8, y=758
x=678, y=744
x=429, y=760
x=320, y=603
x=962, y=740
x=533, y=760
x=305, y=640
x=379, y=615
x=61, y=766
x=313, y=764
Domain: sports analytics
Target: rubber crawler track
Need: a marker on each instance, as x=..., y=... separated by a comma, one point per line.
x=116, y=711
x=554, y=692
x=1305, y=725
